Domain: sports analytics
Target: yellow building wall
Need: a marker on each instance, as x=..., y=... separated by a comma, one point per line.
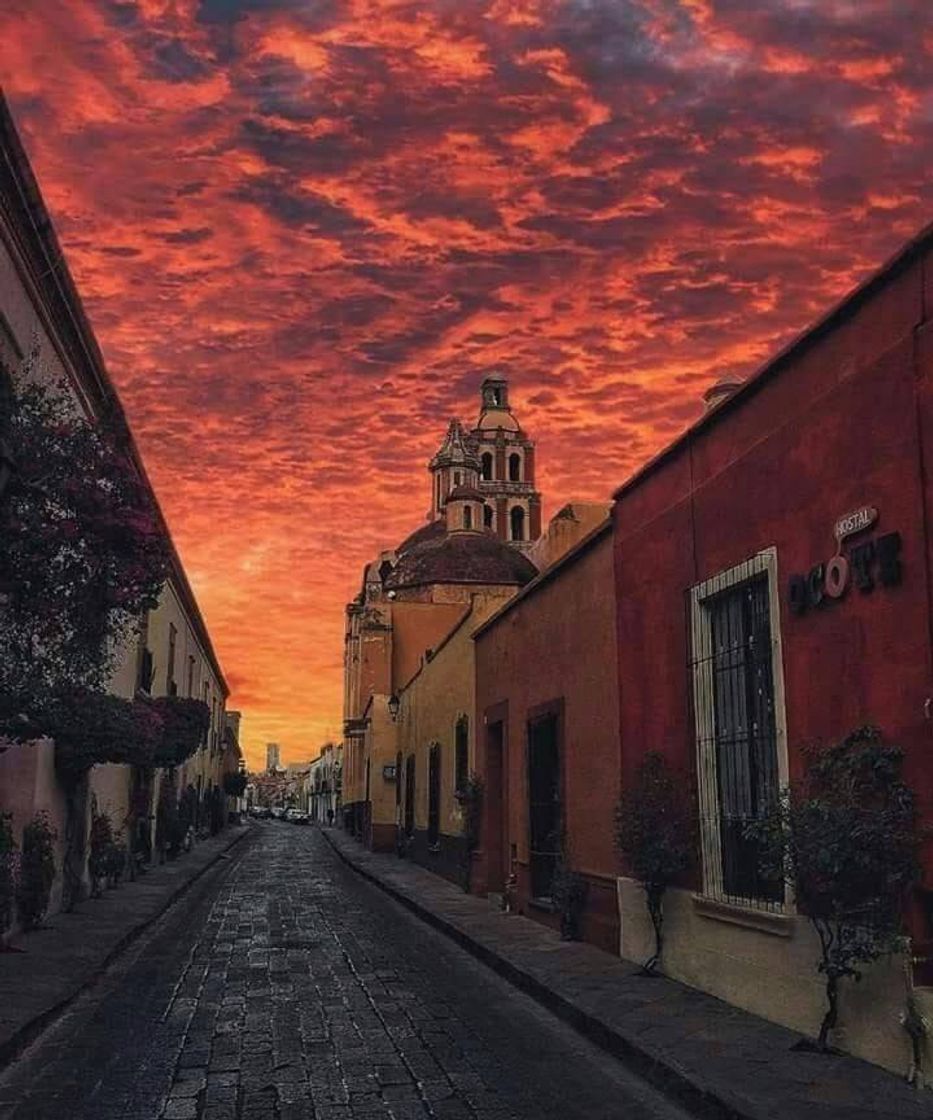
x=436, y=697
x=380, y=747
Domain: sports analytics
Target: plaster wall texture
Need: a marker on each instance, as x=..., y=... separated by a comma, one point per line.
x=379, y=749
x=772, y=975
x=28, y=782
x=558, y=643
x=566, y=530
x=434, y=700
x=845, y=422
x=29, y=785
x=22, y=327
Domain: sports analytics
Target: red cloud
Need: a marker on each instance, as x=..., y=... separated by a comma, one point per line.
x=302, y=232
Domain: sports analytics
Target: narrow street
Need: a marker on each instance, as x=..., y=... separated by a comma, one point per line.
x=284, y=986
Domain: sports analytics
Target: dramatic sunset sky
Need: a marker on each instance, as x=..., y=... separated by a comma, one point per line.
x=303, y=229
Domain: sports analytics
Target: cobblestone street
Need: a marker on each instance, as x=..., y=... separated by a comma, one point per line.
x=286, y=987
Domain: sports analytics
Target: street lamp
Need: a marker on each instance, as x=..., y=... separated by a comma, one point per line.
x=394, y=705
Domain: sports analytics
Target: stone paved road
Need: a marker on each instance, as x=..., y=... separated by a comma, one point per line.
x=285, y=987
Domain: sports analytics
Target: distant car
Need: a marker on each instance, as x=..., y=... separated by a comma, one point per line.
x=278, y=813
x=293, y=815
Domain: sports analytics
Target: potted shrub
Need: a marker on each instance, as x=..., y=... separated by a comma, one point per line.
x=470, y=796
x=569, y=892
x=8, y=869
x=107, y=857
x=37, y=871
x=654, y=832
x=844, y=837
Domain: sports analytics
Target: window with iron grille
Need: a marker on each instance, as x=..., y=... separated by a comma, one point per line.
x=544, y=807
x=741, y=754
x=434, y=795
x=461, y=754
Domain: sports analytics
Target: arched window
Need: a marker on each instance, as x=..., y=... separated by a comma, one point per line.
x=515, y=468
x=487, y=465
x=456, y=478
x=487, y=516
x=468, y=517
x=517, y=517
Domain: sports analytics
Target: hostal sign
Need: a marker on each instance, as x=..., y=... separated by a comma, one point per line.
x=870, y=561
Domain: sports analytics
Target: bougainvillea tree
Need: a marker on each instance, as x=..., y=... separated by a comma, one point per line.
x=183, y=726
x=82, y=549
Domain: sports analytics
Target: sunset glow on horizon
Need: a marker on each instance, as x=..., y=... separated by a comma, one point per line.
x=304, y=230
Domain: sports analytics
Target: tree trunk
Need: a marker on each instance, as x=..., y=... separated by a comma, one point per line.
x=656, y=912
x=832, y=1011
x=75, y=857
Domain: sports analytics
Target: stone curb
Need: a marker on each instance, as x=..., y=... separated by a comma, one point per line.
x=13, y=1046
x=679, y=1085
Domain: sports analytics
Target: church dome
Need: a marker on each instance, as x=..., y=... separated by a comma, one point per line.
x=492, y=418
x=461, y=558
x=429, y=532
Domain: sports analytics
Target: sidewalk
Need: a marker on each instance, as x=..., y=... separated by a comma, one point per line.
x=68, y=954
x=715, y=1059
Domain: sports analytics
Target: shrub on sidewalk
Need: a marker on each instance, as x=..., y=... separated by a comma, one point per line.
x=471, y=806
x=569, y=892
x=845, y=839
x=106, y=858
x=37, y=871
x=8, y=870
x=654, y=831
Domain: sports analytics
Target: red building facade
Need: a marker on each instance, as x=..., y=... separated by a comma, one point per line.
x=773, y=590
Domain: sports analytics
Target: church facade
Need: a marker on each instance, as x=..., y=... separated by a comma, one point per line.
x=469, y=557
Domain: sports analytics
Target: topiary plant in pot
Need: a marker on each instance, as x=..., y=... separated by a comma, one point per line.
x=654, y=832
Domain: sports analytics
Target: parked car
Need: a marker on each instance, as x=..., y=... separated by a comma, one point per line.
x=278, y=813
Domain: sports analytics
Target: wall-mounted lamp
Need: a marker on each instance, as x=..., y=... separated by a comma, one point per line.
x=394, y=705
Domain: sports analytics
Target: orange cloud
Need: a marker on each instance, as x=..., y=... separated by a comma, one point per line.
x=303, y=232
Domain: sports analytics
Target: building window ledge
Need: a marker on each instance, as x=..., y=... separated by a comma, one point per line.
x=780, y=924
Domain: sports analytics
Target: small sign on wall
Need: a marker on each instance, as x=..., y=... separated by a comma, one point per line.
x=389, y=773
x=876, y=560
